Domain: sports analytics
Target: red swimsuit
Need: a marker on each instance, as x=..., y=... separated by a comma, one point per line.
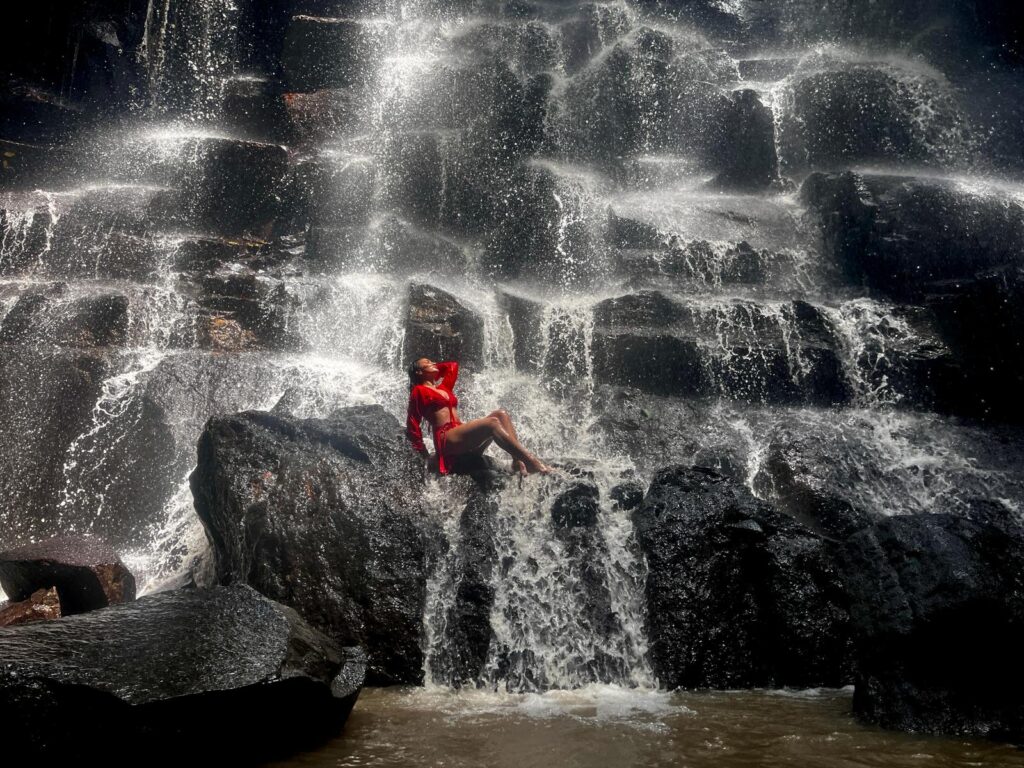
x=424, y=400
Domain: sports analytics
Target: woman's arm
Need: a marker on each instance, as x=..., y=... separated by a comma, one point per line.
x=449, y=373
x=412, y=424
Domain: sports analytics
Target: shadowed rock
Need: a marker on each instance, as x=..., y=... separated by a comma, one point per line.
x=174, y=670
x=86, y=572
x=440, y=327
x=738, y=594
x=322, y=515
x=937, y=603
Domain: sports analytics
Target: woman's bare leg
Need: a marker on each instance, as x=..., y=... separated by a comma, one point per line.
x=476, y=434
x=518, y=465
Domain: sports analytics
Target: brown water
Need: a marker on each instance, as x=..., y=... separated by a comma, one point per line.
x=614, y=728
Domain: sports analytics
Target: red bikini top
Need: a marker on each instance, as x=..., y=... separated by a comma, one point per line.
x=424, y=400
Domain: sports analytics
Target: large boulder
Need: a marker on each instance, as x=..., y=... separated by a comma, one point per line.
x=748, y=153
x=85, y=571
x=323, y=515
x=441, y=327
x=171, y=671
x=937, y=602
x=738, y=594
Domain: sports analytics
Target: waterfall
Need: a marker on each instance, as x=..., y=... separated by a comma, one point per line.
x=569, y=179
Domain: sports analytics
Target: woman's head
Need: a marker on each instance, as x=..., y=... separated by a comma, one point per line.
x=421, y=370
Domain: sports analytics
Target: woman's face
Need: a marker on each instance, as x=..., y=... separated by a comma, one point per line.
x=427, y=368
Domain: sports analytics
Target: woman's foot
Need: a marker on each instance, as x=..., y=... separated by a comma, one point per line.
x=518, y=467
x=535, y=465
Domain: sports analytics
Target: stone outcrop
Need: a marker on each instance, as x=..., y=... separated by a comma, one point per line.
x=441, y=327
x=937, y=607
x=225, y=668
x=323, y=515
x=738, y=594
x=85, y=571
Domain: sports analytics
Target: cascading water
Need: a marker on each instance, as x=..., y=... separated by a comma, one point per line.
x=566, y=176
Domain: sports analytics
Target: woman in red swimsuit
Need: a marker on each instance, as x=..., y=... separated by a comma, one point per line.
x=432, y=398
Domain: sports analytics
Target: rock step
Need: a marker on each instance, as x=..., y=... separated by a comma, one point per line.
x=217, y=659
x=952, y=245
x=322, y=52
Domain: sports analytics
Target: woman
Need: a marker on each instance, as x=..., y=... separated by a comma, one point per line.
x=432, y=398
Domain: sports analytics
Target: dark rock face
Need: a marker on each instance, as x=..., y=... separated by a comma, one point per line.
x=86, y=322
x=46, y=401
x=658, y=343
x=331, y=52
x=86, y=572
x=440, y=327
x=173, y=670
x=796, y=484
x=955, y=251
x=748, y=150
x=938, y=606
x=738, y=594
x=322, y=515
x=864, y=114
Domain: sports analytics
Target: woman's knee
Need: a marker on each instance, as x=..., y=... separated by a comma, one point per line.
x=501, y=414
x=493, y=423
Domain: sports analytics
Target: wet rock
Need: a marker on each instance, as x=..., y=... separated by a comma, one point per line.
x=525, y=317
x=174, y=670
x=245, y=309
x=41, y=605
x=645, y=96
x=462, y=651
x=926, y=590
x=440, y=327
x=576, y=507
x=901, y=234
x=86, y=322
x=34, y=115
x=957, y=251
x=255, y=108
x=866, y=114
x=321, y=515
x=595, y=26
x=794, y=480
x=336, y=191
x=235, y=192
x=758, y=354
x=332, y=52
x=417, y=174
x=748, y=150
x=628, y=495
x=738, y=594
x=320, y=116
x=27, y=166
x=401, y=246
x=86, y=572
x=46, y=401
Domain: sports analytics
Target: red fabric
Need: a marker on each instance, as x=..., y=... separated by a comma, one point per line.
x=423, y=401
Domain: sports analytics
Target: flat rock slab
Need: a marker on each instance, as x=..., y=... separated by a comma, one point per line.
x=86, y=572
x=225, y=668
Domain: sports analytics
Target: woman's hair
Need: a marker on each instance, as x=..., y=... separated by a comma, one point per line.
x=413, y=370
